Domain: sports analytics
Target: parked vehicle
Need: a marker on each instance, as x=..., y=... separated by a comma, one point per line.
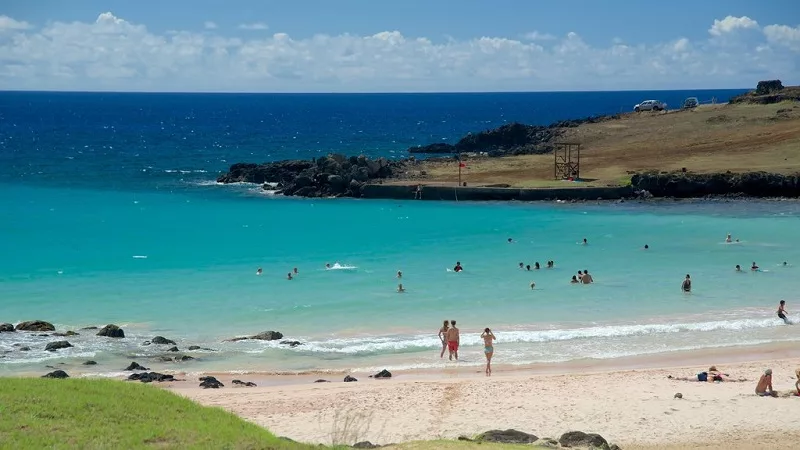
x=650, y=105
x=690, y=102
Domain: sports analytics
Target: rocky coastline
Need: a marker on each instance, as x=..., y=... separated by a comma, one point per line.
x=512, y=139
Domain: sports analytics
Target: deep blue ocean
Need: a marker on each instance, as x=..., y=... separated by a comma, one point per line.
x=134, y=141
x=109, y=213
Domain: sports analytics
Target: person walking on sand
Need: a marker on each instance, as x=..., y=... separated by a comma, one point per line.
x=687, y=284
x=764, y=386
x=797, y=383
x=782, y=312
x=453, y=339
x=488, y=349
x=443, y=336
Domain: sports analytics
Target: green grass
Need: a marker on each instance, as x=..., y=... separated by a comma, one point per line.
x=106, y=414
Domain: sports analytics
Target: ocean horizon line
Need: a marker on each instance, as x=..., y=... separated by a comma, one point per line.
x=383, y=93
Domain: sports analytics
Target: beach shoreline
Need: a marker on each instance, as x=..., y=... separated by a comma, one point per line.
x=633, y=407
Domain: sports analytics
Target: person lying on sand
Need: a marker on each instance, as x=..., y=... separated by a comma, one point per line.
x=764, y=386
x=710, y=376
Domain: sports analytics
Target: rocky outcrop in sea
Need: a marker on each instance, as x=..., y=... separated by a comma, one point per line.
x=329, y=176
x=511, y=139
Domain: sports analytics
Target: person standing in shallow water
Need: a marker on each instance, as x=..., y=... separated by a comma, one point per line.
x=453, y=339
x=488, y=349
x=687, y=284
x=443, y=336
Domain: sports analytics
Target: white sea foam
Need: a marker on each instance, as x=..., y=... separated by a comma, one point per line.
x=337, y=266
x=139, y=256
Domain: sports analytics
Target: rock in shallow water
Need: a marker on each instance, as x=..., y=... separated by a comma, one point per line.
x=35, y=325
x=210, y=382
x=53, y=346
x=6, y=328
x=135, y=366
x=160, y=340
x=112, y=331
x=349, y=379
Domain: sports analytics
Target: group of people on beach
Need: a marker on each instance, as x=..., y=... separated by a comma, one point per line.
x=450, y=336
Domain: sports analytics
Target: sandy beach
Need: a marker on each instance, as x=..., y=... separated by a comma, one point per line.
x=635, y=408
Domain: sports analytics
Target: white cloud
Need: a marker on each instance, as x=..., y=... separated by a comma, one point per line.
x=9, y=24
x=209, y=25
x=111, y=53
x=783, y=35
x=257, y=26
x=537, y=36
x=731, y=23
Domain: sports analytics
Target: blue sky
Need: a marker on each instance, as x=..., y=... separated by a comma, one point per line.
x=411, y=45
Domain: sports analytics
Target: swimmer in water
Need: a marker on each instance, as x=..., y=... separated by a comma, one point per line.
x=536, y=265
x=289, y=276
x=728, y=238
x=528, y=267
x=754, y=267
x=458, y=267
x=295, y=270
x=646, y=247
x=585, y=242
x=533, y=285
x=400, y=288
x=574, y=280
x=687, y=284
x=510, y=240
x=399, y=274
x=580, y=275
x=259, y=271
x=327, y=265
x=550, y=264
x=521, y=266
x=738, y=268
x=587, y=279
x=784, y=264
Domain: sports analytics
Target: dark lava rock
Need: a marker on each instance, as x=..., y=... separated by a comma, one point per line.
x=35, y=325
x=331, y=175
x=321, y=381
x=268, y=336
x=112, y=331
x=162, y=341
x=90, y=363
x=382, y=374
x=89, y=328
x=507, y=437
x=365, y=444
x=56, y=374
x=691, y=185
x=6, y=328
x=135, y=366
x=164, y=358
x=210, y=382
x=464, y=438
x=291, y=343
x=149, y=377
x=581, y=439
x=173, y=349
x=184, y=358
x=244, y=383
x=349, y=379
x=57, y=345
x=42, y=335
x=194, y=347
x=25, y=349
x=68, y=333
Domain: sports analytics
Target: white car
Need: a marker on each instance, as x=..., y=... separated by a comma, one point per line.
x=650, y=105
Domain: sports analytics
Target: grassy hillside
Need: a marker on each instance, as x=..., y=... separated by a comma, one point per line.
x=103, y=414
x=711, y=138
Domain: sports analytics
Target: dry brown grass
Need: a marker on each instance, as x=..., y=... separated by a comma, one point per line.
x=713, y=138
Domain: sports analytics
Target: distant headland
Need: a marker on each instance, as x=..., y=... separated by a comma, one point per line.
x=746, y=147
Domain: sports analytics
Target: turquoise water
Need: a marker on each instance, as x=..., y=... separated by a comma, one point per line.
x=182, y=264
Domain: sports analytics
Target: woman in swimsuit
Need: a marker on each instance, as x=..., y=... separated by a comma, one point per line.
x=443, y=336
x=488, y=349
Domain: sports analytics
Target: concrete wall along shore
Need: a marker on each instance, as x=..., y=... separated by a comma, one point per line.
x=454, y=193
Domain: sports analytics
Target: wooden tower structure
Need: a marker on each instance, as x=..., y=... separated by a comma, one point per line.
x=567, y=160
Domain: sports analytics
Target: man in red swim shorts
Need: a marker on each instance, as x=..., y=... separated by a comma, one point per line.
x=453, y=339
